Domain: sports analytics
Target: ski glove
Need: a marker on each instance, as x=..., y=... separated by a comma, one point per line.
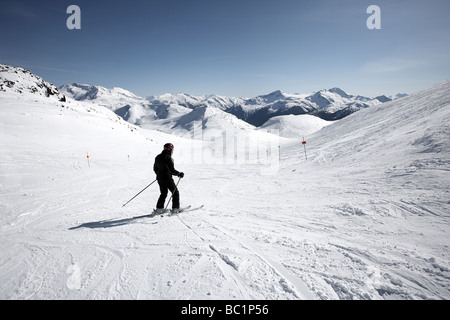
x=181, y=175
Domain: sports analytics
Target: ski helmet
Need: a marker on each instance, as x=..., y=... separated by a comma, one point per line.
x=168, y=147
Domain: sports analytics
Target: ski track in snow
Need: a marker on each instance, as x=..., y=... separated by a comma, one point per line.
x=293, y=250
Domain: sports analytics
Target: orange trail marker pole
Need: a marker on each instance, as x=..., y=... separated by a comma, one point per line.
x=89, y=165
x=304, y=145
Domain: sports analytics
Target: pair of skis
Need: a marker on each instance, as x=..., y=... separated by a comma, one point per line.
x=169, y=213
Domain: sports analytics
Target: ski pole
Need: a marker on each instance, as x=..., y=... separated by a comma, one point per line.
x=139, y=193
x=176, y=187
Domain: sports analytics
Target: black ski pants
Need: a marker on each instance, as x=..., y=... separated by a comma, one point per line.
x=164, y=187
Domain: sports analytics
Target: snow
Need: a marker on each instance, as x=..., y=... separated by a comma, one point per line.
x=292, y=126
x=328, y=104
x=102, y=95
x=366, y=217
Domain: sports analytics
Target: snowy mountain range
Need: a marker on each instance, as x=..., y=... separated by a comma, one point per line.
x=181, y=113
x=365, y=217
x=174, y=111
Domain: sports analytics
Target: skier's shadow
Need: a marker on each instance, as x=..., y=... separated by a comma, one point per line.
x=111, y=223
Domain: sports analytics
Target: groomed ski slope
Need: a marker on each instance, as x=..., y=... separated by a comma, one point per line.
x=366, y=217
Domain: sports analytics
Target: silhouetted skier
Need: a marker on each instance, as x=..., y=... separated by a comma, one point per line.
x=165, y=169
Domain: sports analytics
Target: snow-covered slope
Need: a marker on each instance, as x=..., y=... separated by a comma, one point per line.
x=292, y=126
x=182, y=121
x=403, y=130
x=373, y=201
x=366, y=217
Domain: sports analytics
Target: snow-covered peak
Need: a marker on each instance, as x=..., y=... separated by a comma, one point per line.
x=83, y=92
x=20, y=80
x=383, y=99
x=340, y=92
x=182, y=99
x=273, y=96
x=79, y=91
x=124, y=103
x=191, y=101
x=398, y=96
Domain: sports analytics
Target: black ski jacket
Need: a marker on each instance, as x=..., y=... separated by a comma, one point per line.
x=164, y=166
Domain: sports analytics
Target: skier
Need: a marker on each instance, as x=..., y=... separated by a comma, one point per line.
x=164, y=169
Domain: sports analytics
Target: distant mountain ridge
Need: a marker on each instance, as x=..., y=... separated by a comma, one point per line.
x=331, y=104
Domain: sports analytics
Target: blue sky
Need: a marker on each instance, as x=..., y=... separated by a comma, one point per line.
x=227, y=47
